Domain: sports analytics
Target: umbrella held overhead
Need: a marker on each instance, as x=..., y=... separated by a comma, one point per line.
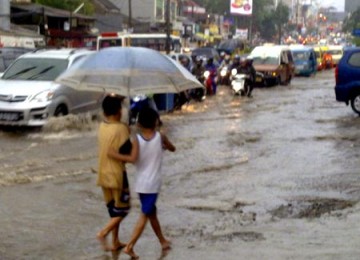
x=129, y=71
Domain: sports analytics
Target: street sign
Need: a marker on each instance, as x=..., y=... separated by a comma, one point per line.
x=356, y=32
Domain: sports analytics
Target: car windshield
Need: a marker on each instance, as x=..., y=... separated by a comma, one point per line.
x=335, y=52
x=266, y=60
x=43, y=69
x=301, y=55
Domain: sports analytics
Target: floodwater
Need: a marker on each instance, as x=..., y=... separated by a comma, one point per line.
x=272, y=177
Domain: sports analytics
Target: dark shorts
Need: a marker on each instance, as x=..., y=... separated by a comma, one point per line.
x=118, y=200
x=116, y=211
x=148, y=201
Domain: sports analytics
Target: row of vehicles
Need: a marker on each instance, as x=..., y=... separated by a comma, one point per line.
x=28, y=94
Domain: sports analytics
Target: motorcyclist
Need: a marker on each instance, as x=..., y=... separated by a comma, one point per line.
x=222, y=57
x=212, y=68
x=198, y=69
x=225, y=64
x=236, y=62
x=247, y=68
x=185, y=61
x=252, y=72
x=184, y=96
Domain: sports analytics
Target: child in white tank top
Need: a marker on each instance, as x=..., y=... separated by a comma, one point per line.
x=147, y=154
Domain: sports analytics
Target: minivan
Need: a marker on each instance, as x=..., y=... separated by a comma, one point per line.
x=304, y=59
x=9, y=54
x=275, y=62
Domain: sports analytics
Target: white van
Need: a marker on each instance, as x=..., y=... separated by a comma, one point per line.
x=275, y=62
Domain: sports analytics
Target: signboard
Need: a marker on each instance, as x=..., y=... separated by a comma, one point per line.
x=241, y=34
x=242, y=7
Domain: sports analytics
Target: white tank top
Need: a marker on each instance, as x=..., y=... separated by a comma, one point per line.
x=148, y=165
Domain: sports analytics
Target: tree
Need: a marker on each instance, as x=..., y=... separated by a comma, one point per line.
x=352, y=22
x=69, y=5
x=280, y=17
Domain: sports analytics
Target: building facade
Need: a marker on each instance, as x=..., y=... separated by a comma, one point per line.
x=152, y=12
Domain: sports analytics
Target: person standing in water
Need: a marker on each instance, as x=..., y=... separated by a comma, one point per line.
x=147, y=155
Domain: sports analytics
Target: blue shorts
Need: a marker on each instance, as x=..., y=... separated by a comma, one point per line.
x=148, y=201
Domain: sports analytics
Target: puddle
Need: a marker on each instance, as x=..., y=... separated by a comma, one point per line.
x=312, y=208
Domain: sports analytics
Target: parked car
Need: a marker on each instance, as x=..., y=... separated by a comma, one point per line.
x=9, y=54
x=304, y=59
x=275, y=62
x=347, y=76
x=29, y=96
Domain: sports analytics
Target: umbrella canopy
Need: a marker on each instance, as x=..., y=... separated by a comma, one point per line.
x=129, y=71
x=230, y=45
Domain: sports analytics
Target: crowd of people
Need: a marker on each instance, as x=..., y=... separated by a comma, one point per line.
x=198, y=65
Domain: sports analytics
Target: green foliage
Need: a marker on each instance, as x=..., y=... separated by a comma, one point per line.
x=268, y=28
x=281, y=14
x=356, y=41
x=352, y=22
x=70, y=5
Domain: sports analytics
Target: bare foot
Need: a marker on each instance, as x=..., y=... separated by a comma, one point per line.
x=166, y=245
x=131, y=253
x=118, y=246
x=102, y=240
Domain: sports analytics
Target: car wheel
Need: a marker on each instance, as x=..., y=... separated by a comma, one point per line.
x=355, y=103
x=61, y=110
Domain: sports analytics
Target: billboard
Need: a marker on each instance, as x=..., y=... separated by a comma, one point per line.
x=241, y=34
x=241, y=7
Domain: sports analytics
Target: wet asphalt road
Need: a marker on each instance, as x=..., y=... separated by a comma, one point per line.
x=272, y=177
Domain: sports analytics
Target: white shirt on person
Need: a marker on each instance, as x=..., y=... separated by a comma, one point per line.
x=148, y=165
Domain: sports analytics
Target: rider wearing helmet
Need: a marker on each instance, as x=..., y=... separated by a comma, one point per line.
x=222, y=57
x=236, y=62
x=212, y=68
x=247, y=68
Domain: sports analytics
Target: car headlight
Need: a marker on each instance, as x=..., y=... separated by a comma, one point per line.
x=44, y=96
x=206, y=74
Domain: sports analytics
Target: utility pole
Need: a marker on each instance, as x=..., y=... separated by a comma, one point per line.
x=168, y=26
x=130, y=16
x=5, y=15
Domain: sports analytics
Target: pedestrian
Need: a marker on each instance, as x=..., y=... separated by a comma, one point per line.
x=112, y=177
x=147, y=154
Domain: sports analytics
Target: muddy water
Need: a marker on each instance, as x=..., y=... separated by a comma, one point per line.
x=272, y=177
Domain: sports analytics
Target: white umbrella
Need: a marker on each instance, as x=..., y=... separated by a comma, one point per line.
x=129, y=71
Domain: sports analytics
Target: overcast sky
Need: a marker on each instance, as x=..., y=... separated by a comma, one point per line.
x=338, y=4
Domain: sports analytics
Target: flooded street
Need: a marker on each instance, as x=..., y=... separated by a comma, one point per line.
x=272, y=177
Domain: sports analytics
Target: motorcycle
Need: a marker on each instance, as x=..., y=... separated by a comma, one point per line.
x=137, y=103
x=198, y=94
x=209, y=80
x=238, y=83
x=224, y=78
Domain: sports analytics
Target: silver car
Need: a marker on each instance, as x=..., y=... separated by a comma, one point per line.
x=29, y=96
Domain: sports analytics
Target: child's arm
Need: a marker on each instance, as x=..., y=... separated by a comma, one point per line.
x=112, y=153
x=167, y=145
